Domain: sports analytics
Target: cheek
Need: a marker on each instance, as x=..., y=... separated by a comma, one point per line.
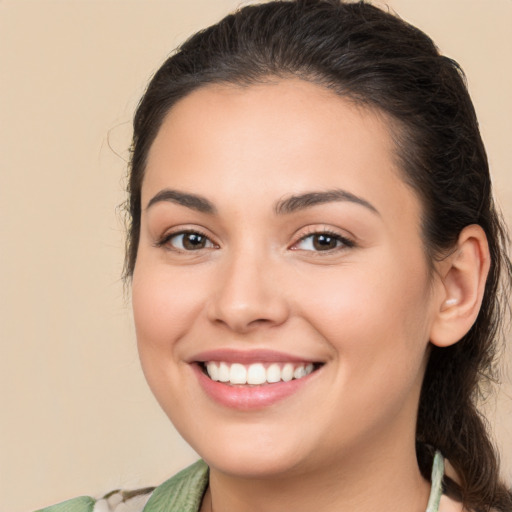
x=376, y=324
x=372, y=312
x=164, y=306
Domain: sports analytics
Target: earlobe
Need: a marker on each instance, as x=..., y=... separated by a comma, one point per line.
x=462, y=278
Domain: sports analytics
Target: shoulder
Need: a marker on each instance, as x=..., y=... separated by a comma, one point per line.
x=449, y=505
x=181, y=493
x=81, y=504
x=115, y=501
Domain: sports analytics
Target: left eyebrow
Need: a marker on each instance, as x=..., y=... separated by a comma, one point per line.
x=192, y=201
x=309, y=199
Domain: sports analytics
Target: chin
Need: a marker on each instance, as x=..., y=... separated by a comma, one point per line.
x=251, y=452
x=252, y=465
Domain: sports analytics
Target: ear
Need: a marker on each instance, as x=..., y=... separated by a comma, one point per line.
x=462, y=276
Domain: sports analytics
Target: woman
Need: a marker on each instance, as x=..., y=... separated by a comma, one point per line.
x=315, y=261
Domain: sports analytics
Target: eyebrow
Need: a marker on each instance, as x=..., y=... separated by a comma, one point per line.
x=192, y=201
x=282, y=207
x=309, y=199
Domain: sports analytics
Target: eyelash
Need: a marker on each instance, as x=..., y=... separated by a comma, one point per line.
x=166, y=239
x=344, y=242
x=341, y=241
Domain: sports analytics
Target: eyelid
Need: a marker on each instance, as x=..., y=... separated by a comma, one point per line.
x=163, y=241
x=346, y=241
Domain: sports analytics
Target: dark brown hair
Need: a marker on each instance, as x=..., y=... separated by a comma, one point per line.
x=378, y=60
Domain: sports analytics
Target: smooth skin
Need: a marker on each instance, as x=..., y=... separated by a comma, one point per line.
x=363, y=300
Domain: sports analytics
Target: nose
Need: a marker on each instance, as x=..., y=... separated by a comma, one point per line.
x=249, y=294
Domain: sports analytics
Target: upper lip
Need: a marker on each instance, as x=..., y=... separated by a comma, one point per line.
x=248, y=356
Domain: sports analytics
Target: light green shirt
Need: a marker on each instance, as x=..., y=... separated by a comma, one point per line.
x=184, y=493
x=181, y=493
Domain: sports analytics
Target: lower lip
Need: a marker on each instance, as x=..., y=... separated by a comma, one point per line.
x=244, y=397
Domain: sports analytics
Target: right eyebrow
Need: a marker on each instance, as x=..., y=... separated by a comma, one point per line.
x=191, y=201
x=309, y=199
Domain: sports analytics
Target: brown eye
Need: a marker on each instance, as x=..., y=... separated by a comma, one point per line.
x=322, y=242
x=189, y=241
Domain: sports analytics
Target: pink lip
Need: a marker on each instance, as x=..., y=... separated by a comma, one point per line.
x=246, y=398
x=247, y=357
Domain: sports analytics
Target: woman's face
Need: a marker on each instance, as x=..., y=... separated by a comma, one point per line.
x=278, y=241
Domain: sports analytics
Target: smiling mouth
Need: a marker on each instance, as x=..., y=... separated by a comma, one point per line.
x=256, y=374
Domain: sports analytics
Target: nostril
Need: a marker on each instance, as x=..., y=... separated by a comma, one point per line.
x=245, y=296
x=245, y=319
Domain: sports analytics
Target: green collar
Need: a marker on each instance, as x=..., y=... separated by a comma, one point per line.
x=436, y=489
x=184, y=492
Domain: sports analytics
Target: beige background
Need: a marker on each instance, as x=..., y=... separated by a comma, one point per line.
x=76, y=415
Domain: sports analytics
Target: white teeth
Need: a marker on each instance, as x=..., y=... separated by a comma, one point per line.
x=237, y=374
x=256, y=373
x=299, y=372
x=287, y=372
x=213, y=370
x=273, y=373
x=223, y=372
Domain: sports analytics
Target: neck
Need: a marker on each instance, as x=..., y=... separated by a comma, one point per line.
x=375, y=479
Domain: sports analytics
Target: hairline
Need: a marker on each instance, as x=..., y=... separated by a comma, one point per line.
x=398, y=131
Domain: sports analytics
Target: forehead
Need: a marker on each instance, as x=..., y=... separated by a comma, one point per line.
x=290, y=112
x=275, y=139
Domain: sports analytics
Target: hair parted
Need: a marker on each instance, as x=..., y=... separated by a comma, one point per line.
x=375, y=59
